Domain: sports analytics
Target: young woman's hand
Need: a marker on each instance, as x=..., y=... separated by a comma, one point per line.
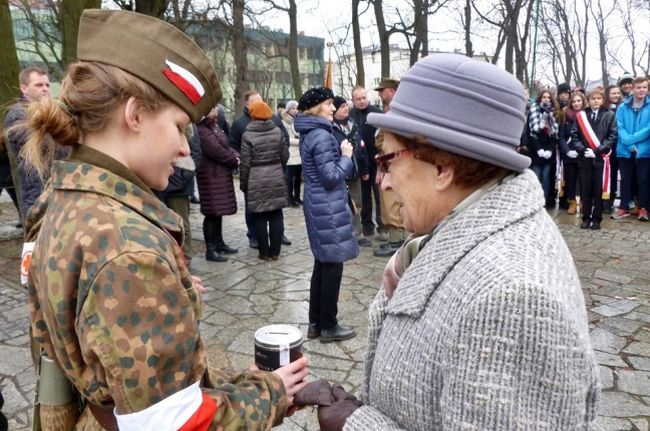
x=198, y=284
x=293, y=376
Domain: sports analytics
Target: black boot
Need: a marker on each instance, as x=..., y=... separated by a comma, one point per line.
x=211, y=252
x=221, y=246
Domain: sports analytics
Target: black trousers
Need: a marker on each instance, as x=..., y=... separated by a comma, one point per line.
x=294, y=174
x=613, y=179
x=570, y=180
x=368, y=189
x=324, y=294
x=591, y=188
x=250, y=223
x=268, y=231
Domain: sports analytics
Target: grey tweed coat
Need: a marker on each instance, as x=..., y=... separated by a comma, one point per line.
x=487, y=329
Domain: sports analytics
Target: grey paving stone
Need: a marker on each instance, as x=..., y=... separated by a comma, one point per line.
x=610, y=276
x=621, y=405
x=641, y=349
x=634, y=382
x=612, y=424
x=620, y=326
x=641, y=424
x=609, y=359
x=640, y=362
x=606, y=377
x=605, y=341
x=641, y=317
x=14, y=360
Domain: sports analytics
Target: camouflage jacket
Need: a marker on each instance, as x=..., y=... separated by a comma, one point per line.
x=112, y=301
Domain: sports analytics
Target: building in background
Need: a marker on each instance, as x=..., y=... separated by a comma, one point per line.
x=345, y=70
x=268, y=66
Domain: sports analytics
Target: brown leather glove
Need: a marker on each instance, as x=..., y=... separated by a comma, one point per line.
x=333, y=417
x=318, y=393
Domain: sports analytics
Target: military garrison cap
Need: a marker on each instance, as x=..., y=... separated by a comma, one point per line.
x=387, y=83
x=154, y=51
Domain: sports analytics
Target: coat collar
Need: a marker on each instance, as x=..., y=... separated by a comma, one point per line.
x=516, y=198
x=80, y=176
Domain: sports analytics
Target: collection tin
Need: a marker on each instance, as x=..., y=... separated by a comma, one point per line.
x=277, y=346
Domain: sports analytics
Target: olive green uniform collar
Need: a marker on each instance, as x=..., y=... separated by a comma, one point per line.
x=94, y=157
x=93, y=171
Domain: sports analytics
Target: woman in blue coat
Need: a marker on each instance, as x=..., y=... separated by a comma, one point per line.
x=327, y=214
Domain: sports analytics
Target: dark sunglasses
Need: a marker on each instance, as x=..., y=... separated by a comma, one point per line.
x=383, y=161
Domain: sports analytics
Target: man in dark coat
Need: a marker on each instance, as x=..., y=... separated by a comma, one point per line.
x=236, y=132
x=34, y=84
x=368, y=187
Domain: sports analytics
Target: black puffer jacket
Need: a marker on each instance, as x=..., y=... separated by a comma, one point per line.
x=263, y=153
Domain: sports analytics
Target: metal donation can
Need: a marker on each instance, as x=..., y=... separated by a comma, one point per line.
x=277, y=346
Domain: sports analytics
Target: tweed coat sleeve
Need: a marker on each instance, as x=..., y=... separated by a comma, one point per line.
x=516, y=353
x=331, y=168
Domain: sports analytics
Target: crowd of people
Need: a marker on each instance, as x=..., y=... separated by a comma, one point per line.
x=595, y=146
x=479, y=289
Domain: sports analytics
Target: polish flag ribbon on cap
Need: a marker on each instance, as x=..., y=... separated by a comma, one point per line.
x=185, y=81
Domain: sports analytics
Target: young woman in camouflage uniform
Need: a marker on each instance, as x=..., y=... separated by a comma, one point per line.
x=110, y=297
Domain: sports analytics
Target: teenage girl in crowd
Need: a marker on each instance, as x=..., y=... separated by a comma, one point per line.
x=543, y=139
x=577, y=103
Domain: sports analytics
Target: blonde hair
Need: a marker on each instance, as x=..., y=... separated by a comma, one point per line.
x=315, y=110
x=90, y=93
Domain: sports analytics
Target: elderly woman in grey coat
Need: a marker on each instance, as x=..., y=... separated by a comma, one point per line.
x=480, y=322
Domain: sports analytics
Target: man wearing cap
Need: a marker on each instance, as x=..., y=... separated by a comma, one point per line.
x=480, y=322
x=389, y=207
x=625, y=83
x=113, y=306
x=369, y=189
x=237, y=130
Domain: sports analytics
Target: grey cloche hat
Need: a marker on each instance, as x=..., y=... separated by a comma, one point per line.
x=460, y=105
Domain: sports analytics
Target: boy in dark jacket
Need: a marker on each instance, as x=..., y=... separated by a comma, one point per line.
x=593, y=136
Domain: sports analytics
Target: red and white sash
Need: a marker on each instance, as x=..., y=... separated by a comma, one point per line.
x=187, y=410
x=593, y=142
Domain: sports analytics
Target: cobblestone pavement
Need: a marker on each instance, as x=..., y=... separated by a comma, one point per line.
x=245, y=293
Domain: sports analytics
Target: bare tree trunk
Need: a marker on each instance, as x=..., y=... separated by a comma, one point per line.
x=293, y=49
x=9, y=67
x=240, y=51
x=421, y=30
x=69, y=15
x=384, y=35
x=600, y=17
x=358, y=49
x=467, y=27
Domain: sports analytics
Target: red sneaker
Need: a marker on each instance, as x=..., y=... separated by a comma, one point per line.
x=643, y=214
x=620, y=214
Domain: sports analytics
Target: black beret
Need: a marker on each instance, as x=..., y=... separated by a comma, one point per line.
x=313, y=97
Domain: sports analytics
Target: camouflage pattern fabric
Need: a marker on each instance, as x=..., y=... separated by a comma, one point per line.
x=111, y=299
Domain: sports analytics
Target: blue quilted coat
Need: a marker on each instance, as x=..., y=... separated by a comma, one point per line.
x=327, y=214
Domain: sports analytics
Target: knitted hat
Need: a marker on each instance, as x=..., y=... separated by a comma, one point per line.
x=259, y=110
x=626, y=78
x=563, y=88
x=338, y=101
x=387, y=83
x=313, y=97
x=154, y=51
x=291, y=104
x=471, y=108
